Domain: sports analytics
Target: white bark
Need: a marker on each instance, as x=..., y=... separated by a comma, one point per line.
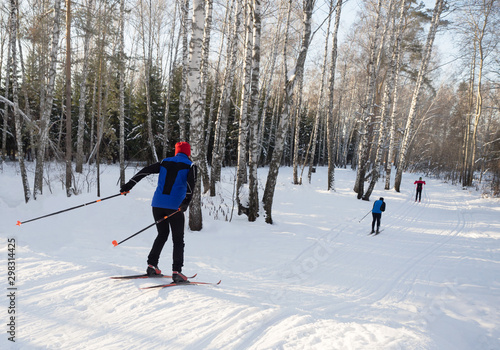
x=311, y=151
x=284, y=121
x=367, y=108
x=396, y=66
x=69, y=132
x=331, y=87
x=253, y=158
x=6, y=106
x=183, y=93
x=386, y=105
x=219, y=148
x=121, y=92
x=47, y=103
x=18, y=124
x=241, y=178
x=405, y=144
x=195, y=93
x=83, y=88
x=172, y=64
x=202, y=164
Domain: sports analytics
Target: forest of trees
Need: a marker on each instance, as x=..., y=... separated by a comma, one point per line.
x=252, y=83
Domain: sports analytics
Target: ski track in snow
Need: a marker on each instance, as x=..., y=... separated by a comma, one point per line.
x=313, y=280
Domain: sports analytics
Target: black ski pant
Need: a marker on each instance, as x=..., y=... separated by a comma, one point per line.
x=418, y=195
x=176, y=223
x=376, y=218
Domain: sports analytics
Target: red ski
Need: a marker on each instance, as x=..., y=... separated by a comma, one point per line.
x=173, y=284
x=133, y=277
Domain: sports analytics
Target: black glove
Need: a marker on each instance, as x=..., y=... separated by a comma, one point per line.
x=127, y=187
x=183, y=207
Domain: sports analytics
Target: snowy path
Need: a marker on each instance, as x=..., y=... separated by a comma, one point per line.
x=314, y=280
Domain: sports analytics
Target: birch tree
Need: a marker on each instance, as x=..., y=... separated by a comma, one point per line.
x=184, y=84
x=241, y=177
x=253, y=156
x=220, y=131
x=69, y=142
x=311, y=148
x=195, y=97
x=46, y=109
x=478, y=20
x=205, y=50
x=146, y=31
x=405, y=143
x=121, y=92
x=284, y=121
x=331, y=89
x=368, y=107
x=215, y=89
x=83, y=86
x=14, y=7
x=6, y=106
x=387, y=98
x=267, y=86
x=395, y=67
x=172, y=66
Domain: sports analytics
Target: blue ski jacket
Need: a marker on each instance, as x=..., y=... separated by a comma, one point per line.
x=176, y=181
x=378, y=207
x=173, y=183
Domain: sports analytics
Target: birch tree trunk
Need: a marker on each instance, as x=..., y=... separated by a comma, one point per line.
x=185, y=63
x=172, y=64
x=195, y=97
x=268, y=85
x=215, y=90
x=219, y=148
x=31, y=126
x=102, y=110
x=405, y=144
x=47, y=103
x=331, y=89
x=83, y=88
x=396, y=65
x=121, y=92
x=15, y=96
x=147, y=38
x=92, y=121
x=6, y=105
x=386, y=105
x=69, y=142
x=311, y=149
x=241, y=177
x=467, y=131
x=253, y=156
x=478, y=31
x=288, y=102
x=367, y=109
x=296, y=134
x=205, y=50
x=280, y=129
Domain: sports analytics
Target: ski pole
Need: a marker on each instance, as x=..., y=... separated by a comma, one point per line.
x=365, y=216
x=115, y=243
x=19, y=223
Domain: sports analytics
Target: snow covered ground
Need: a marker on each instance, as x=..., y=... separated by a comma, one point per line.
x=313, y=280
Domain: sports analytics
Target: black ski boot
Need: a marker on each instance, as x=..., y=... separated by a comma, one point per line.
x=178, y=277
x=153, y=271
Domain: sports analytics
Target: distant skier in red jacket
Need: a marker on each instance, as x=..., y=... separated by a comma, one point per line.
x=420, y=184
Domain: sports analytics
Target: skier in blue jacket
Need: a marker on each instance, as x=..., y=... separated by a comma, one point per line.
x=176, y=181
x=378, y=208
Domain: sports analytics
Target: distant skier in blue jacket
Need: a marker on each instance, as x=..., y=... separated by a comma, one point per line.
x=176, y=181
x=378, y=208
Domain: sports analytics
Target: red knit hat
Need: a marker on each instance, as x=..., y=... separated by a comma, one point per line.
x=183, y=147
